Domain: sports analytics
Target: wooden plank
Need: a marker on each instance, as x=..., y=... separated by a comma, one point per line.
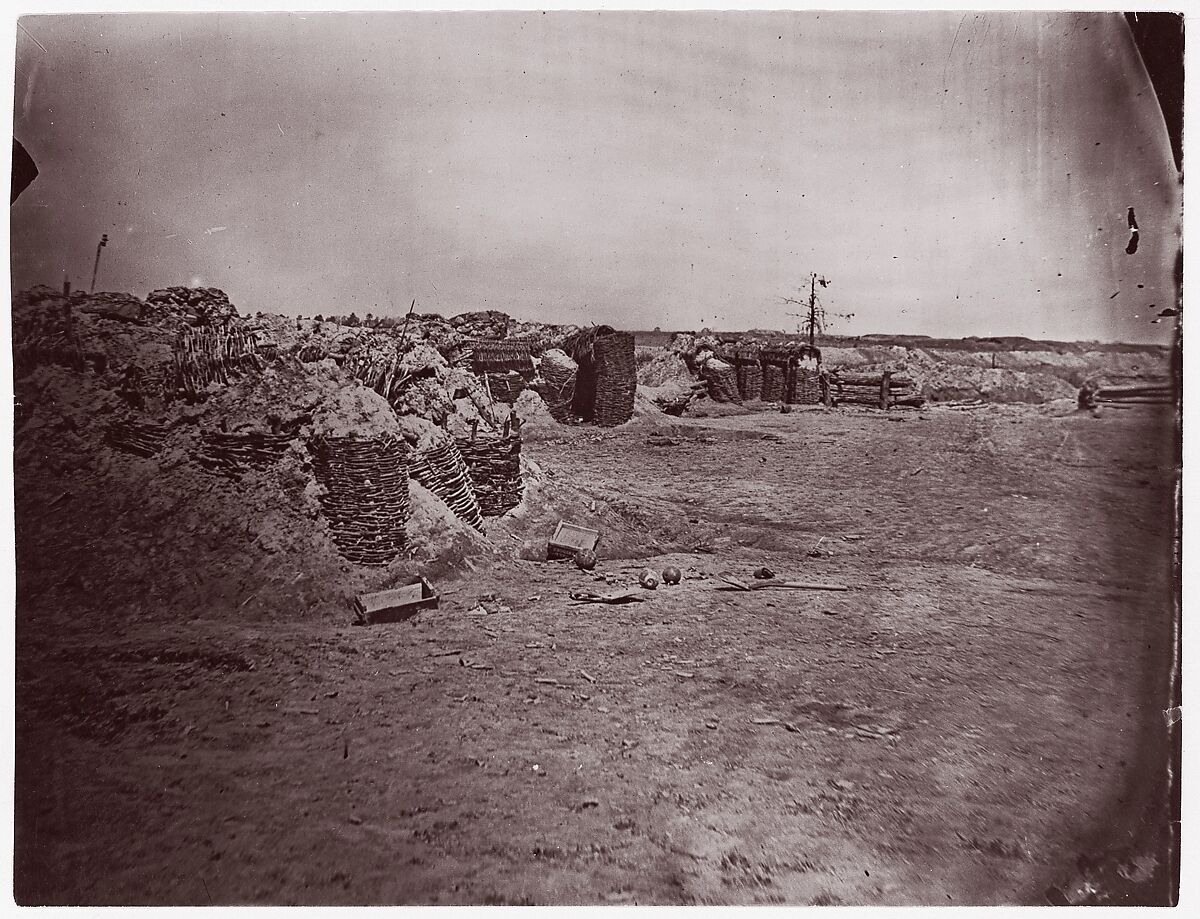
x=869, y=379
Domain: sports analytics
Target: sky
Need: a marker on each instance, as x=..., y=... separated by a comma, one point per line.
x=950, y=174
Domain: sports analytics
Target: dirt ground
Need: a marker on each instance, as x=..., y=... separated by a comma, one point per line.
x=979, y=720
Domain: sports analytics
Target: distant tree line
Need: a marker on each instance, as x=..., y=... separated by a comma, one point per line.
x=369, y=321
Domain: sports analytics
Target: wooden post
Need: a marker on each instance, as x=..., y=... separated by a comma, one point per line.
x=826, y=394
x=885, y=394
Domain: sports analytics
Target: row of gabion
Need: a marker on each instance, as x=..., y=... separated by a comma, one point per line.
x=443, y=471
x=769, y=381
x=365, y=479
x=366, y=494
x=495, y=468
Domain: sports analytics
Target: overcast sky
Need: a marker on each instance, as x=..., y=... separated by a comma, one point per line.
x=949, y=174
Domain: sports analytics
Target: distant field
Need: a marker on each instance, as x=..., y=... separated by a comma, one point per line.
x=1006, y=343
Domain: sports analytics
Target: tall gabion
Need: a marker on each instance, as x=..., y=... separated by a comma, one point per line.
x=366, y=494
x=774, y=382
x=559, y=372
x=616, y=378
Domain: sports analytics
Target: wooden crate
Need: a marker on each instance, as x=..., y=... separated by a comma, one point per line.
x=569, y=539
x=397, y=604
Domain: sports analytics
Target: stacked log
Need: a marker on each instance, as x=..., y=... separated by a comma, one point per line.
x=722, y=380
x=881, y=390
x=231, y=453
x=443, y=471
x=495, y=467
x=558, y=375
x=366, y=495
x=1148, y=394
x=616, y=378
x=141, y=438
x=205, y=355
x=745, y=358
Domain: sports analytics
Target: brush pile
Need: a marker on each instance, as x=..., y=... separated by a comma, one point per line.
x=195, y=305
x=205, y=356
x=137, y=437
x=233, y=452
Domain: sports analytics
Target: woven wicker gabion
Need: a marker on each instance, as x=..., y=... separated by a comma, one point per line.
x=141, y=438
x=506, y=386
x=501, y=357
x=616, y=378
x=444, y=472
x=366, y=495
x=206, y=355
x=231, y=453
x=495, y=466
x=559, y=372
x=746, y=360
x=722, y=381
x=804, y=386
x=774, y=384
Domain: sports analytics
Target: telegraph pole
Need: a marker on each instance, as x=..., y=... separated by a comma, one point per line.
x=96, y=267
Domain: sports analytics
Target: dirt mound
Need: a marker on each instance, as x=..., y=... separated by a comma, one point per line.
x=705, y=407
x=208, y=506
x=663, y=366
x=993, y=385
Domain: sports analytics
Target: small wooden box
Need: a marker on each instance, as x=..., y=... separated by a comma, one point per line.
x=569, y=539
x=397, y=604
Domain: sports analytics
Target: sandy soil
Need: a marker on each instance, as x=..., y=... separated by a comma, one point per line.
x=977, y=721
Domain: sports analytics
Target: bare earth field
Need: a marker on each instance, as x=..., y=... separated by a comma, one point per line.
x=977, y=721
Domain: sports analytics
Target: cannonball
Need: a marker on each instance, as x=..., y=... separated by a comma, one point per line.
x=671, y=575
x=585, y=560
x=648, y=578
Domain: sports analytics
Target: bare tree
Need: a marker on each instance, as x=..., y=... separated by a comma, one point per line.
x=812, y=320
